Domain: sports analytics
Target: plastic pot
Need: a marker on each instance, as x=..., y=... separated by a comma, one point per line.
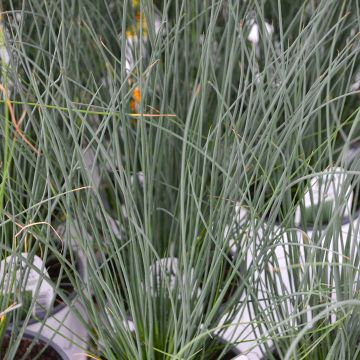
x=62, y=324
x=279, y=271
x=51, y=318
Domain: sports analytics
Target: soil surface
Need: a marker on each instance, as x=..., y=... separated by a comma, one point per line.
x=32, y=349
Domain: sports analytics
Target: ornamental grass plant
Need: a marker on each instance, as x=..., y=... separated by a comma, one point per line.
x=140, y=128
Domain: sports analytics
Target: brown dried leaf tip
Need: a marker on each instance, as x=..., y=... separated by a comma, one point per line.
x=15, y=122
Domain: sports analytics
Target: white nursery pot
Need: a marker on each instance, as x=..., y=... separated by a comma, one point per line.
x=65, y=330
x=63, y=327
x=246, y=330
x=245, y=335
x=347, y=237
x=57, y=322
x=343, y=222
x=59, y=325
x=243, y=330
x=322, y=196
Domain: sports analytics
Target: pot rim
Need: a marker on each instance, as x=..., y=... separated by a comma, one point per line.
x=345, y=220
